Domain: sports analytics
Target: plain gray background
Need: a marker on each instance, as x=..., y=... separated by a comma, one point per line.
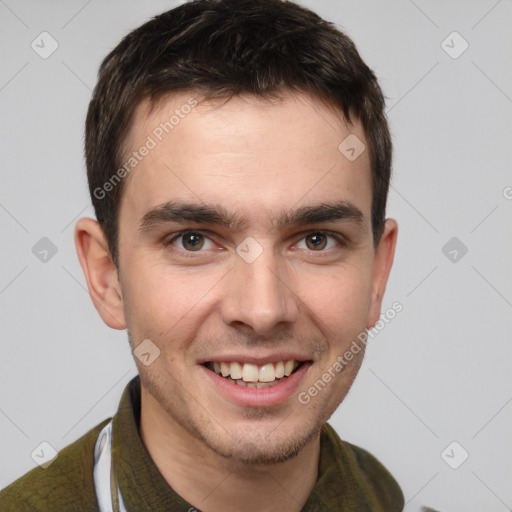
x=438, y=373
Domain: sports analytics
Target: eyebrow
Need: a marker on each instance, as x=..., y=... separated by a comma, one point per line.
x=178, y=211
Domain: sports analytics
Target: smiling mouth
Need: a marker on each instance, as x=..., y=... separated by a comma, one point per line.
x=253, y=376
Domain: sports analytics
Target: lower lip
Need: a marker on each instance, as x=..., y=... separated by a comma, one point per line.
x=258, y=397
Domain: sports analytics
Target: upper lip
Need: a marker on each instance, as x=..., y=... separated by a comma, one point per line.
x=257, y=360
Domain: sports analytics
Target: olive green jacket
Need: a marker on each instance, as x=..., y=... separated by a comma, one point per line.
x=349, y=479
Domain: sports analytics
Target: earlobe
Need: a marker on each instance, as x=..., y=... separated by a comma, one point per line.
x=383, y=262
x=100, y=272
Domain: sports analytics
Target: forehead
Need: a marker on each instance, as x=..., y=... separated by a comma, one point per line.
x=251, y=154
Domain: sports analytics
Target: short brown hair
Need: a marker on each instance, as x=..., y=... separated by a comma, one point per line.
x=222, y=48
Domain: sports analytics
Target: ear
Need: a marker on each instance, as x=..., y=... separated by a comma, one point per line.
x=100, y=272
x=383, y=261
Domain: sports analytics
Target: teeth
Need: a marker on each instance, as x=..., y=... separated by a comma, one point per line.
x=288, y=368
x=240, y=382
x=235, y=370
x=224, y=368
x=250, y=375
x=267, y=373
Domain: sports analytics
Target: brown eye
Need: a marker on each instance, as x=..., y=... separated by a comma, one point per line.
x=189, y=241
x=192, y=241
x=322, y=242
x=316, y=241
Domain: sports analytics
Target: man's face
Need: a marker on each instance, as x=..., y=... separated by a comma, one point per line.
x=258, y=292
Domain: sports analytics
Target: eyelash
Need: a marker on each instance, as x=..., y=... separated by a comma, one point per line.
x=342, y=241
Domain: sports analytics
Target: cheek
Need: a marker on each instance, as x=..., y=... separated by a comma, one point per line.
x=162, y=302
x=341, y=300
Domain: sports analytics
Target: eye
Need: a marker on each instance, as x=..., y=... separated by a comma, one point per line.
x=318, y=241
x=190, y=241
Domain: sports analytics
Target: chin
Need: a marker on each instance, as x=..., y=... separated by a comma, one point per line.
x=257, y=447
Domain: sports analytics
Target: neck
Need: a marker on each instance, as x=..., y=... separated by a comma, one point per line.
x=214, y=483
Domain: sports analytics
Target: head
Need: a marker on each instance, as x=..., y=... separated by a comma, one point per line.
x=232, y=225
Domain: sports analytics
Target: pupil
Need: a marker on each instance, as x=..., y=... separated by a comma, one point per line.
x=193, y=241
x=317, y=240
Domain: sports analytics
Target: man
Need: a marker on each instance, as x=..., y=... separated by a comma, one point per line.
x=238, y=160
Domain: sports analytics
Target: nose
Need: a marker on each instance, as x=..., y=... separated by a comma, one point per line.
x=259, y=295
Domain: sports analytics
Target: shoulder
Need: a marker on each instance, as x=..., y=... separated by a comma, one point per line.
x=376, y=478
x=370, y=477
x=67, y=484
